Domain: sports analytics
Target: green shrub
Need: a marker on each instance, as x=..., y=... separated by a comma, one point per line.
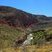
x=38, y=37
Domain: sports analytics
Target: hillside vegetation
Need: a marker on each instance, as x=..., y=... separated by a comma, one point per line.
x=16, y=24
x=8, y=35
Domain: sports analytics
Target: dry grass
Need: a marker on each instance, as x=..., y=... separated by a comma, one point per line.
x=33, y=48
x=8, y=34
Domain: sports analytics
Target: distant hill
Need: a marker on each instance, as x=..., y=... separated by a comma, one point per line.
x=18, y=18
x=15, y=17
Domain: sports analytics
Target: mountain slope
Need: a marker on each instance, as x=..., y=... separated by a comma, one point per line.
x=15, y=17
x=13, y=20
x=18, y=18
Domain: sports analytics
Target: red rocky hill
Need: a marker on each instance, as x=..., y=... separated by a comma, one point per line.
x=15, y=17
x=18, y=18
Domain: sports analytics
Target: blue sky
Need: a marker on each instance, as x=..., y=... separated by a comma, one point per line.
x=43, y=7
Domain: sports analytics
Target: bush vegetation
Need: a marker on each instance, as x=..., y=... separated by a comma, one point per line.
x=40, y=37
x=8, y=36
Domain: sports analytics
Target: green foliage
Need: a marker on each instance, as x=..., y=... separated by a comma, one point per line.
x=38, y=37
